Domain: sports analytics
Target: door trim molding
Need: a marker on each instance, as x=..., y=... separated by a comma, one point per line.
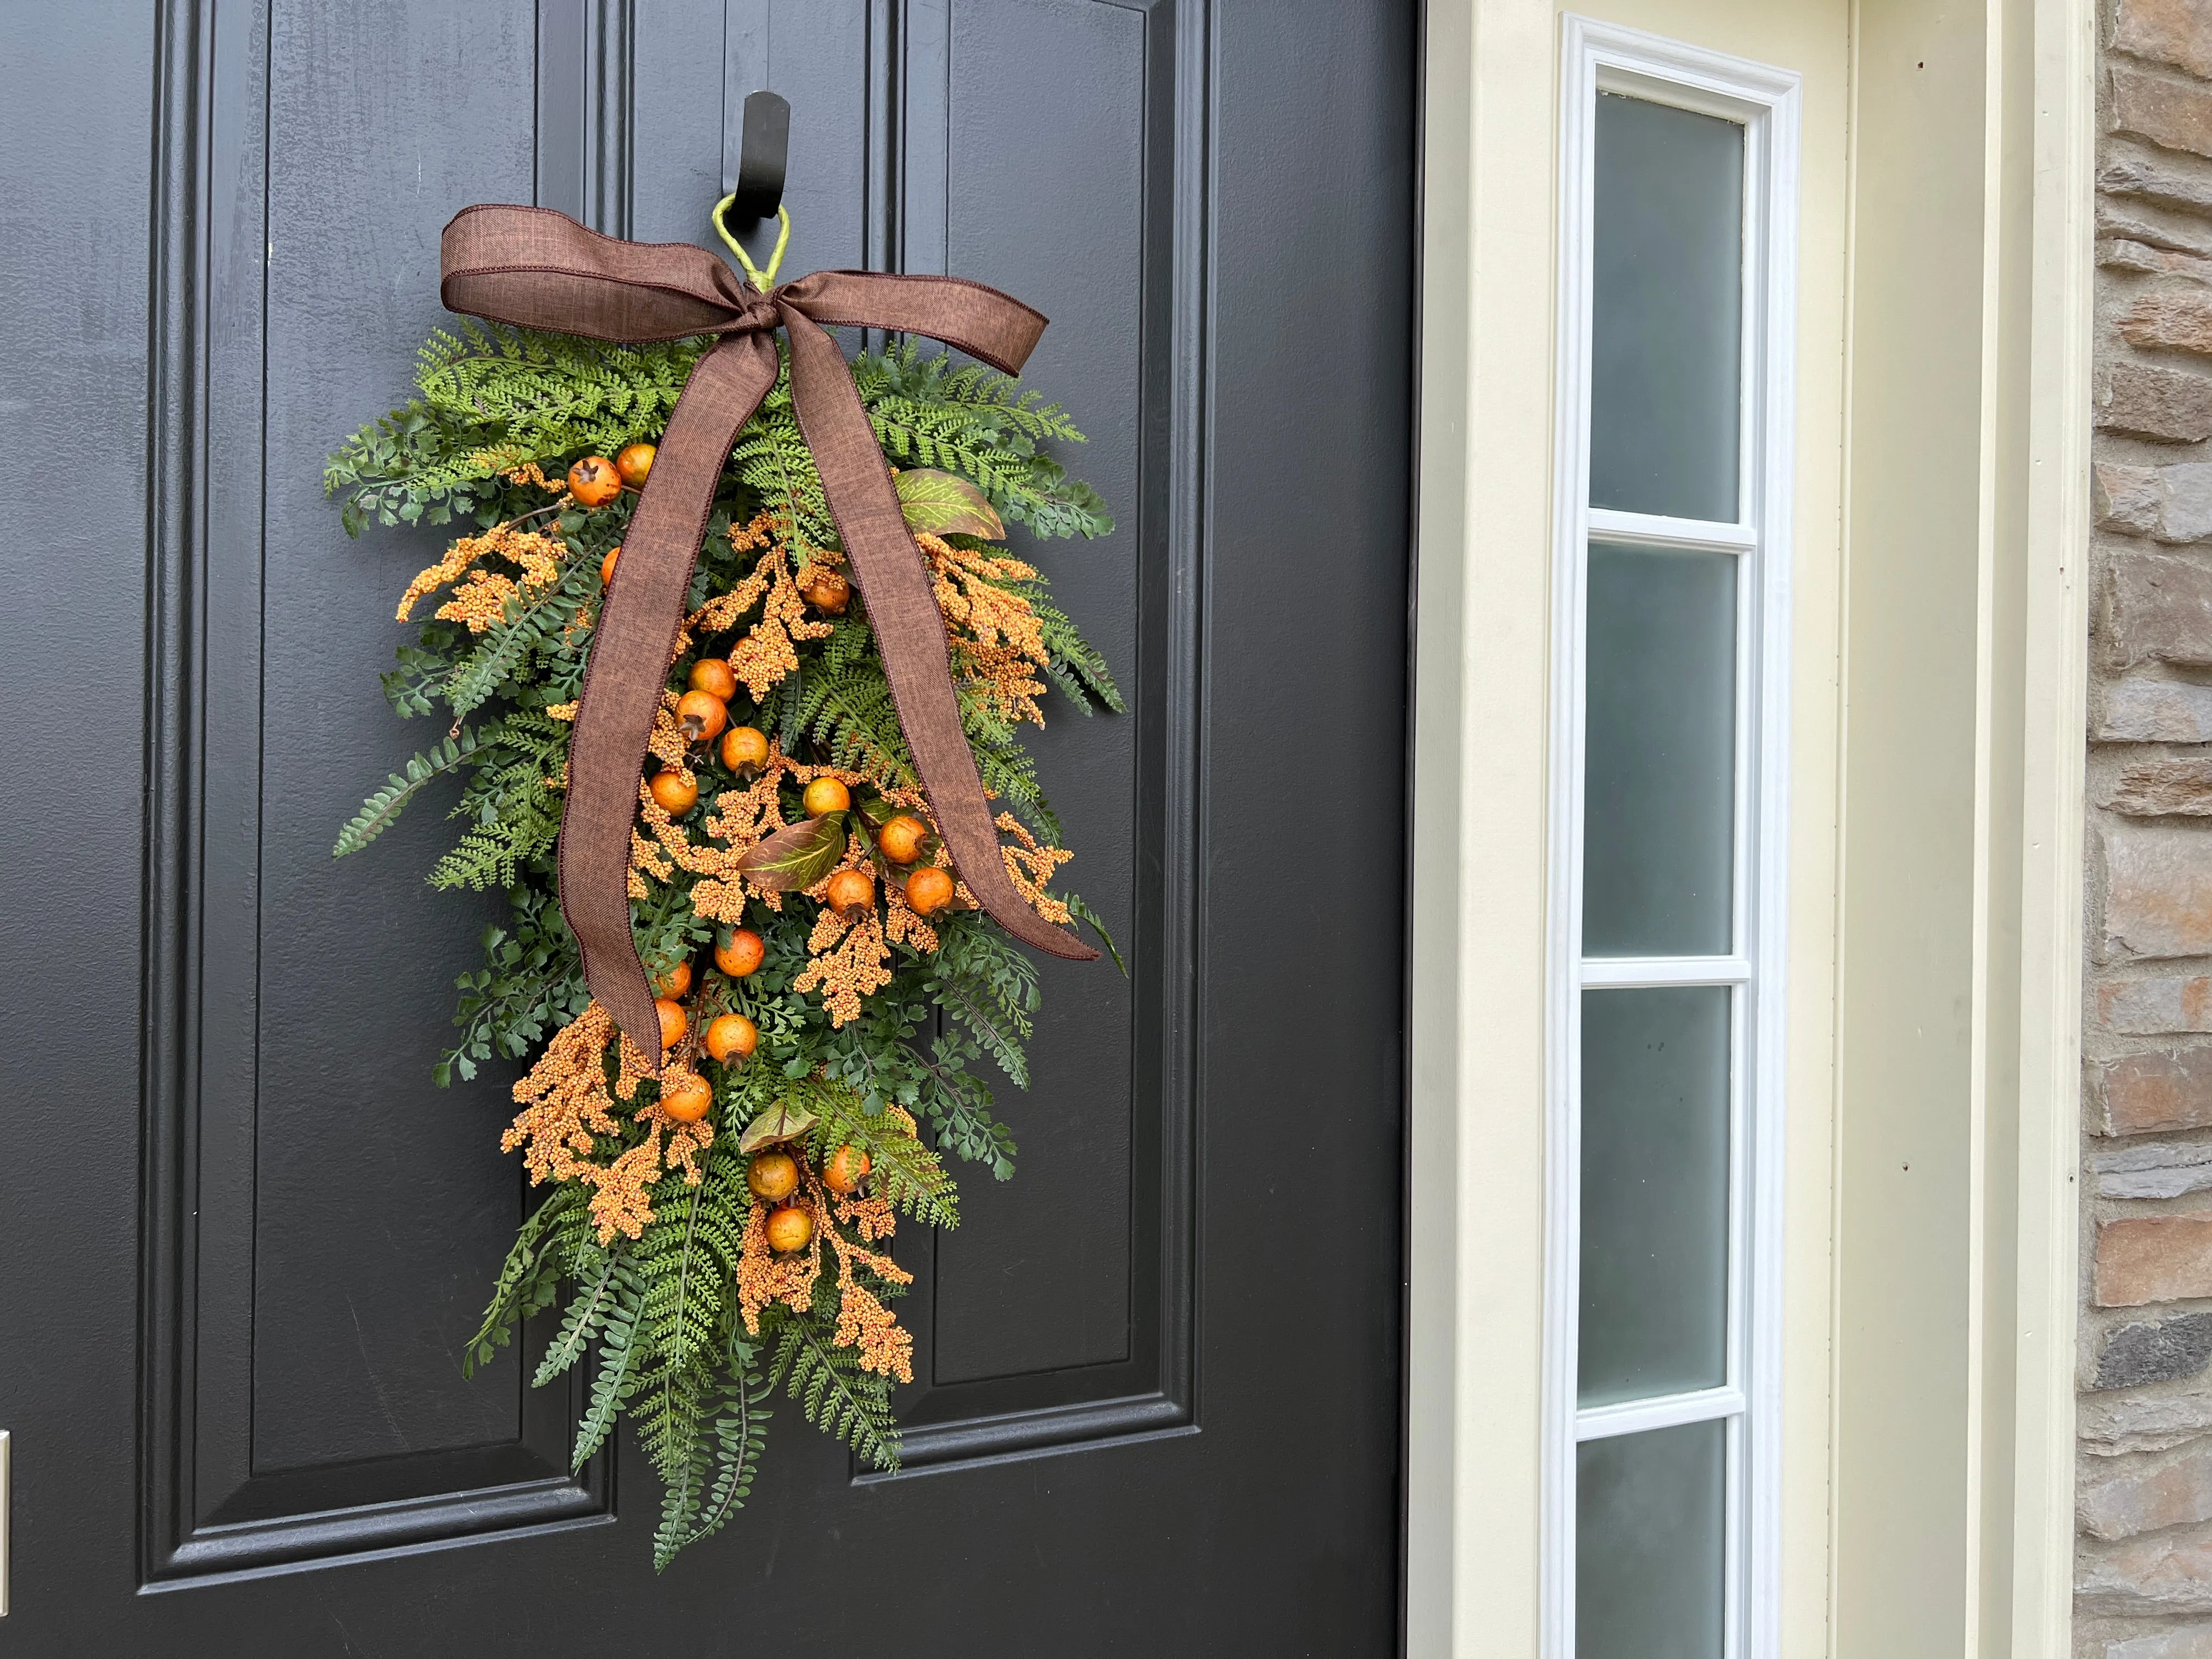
x=2060, y=328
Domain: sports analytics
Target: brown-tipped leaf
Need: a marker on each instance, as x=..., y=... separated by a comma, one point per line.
x=799, y=855
x=782, y=1121
x=945, y=506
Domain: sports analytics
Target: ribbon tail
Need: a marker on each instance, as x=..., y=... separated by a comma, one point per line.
x=910, y=631
x=638, y=617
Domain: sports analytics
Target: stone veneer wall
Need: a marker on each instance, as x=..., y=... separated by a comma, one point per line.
x=2143, y=1584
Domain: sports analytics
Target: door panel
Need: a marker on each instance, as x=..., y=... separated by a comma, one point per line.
x=1159, y=1370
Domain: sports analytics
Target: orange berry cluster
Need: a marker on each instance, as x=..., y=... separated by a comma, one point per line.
x=773, y=1177
x=900, y=839
x=731, y=1038
x=595, y=480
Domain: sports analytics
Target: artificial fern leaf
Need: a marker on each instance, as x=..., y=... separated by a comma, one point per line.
x=835, y=1395
x=598, y=1286
x=741, y=1431
x=381, y=810
x=624, y=1347
x=527, y=1279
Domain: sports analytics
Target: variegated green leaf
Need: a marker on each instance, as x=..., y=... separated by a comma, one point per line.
x=945, y=505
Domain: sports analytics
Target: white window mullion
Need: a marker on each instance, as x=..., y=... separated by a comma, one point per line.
x=1665, y=1412
x=1630, y=972
x=1609, y=523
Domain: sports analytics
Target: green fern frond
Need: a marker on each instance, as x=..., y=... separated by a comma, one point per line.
x=381, y=810
x=740, y=1432
x=1076, y=667
x=597, y=1274
x=833, y=1394
x=854, y=715
x=528, y=1278
x=989, y=987
x=624, y=1349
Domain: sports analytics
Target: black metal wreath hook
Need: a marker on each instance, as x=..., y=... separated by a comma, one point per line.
x=763, y=149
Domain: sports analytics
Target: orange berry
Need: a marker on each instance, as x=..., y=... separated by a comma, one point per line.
x=593, y=481
x=851, y=892
x=901, y=838
x=928, y=891
x=672, y=1021
x=772, y=1175
x=633, y=463
x=744, y=747
x=686, y=1096
x=607, y=565
x=740, y=954
x=826, y=590
x=702, y=715
x=712, y=675
x=675, y=982
x=847, y=1168
x=733, y=1034
x=824, y=796
x=675, y=795
x=789, y=1229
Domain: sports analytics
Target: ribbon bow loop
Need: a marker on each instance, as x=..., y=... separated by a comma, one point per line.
x=538, y=269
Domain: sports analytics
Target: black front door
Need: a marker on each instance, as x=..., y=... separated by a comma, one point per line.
x=245, y=1237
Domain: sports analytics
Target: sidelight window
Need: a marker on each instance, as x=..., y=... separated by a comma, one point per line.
x=1670, y=727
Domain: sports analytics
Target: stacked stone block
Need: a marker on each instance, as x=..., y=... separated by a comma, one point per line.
x=2143, y=1587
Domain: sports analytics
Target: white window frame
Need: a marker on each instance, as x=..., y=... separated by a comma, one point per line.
x=1603, y=57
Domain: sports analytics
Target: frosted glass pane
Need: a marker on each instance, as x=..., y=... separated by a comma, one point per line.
x=1649, y=1567
x=1659, y=779
x=1666, y=315
x=1654, y=1176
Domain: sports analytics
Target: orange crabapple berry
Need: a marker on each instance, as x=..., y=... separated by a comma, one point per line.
x=741, y=953
x=789, y=1229
x=685, y=1097
x=593, y=481
x=712, y=675
x=901, y=838
x=744, y=747
x=632, y=464
x=675, y=982
x=733, y=1034
x=824, y=796
x=673, y=1023
x=928, y=891
x=772, y=1175
x=675, y=795
x=851, y=892
x=702, y=715
x=826, y=590
x=848, y=1167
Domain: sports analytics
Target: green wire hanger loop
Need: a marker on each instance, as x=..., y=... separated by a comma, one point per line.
x=763, y=280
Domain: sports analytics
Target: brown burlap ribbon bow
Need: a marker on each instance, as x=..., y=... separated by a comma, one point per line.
x=540, y=269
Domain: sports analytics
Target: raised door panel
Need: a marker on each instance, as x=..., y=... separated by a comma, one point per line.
x=322, y=1221
x=325, y=1221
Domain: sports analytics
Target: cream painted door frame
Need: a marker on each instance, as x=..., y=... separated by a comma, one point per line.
x=1940, y=631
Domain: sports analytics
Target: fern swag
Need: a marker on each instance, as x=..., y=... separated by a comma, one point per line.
x=722, y=1236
